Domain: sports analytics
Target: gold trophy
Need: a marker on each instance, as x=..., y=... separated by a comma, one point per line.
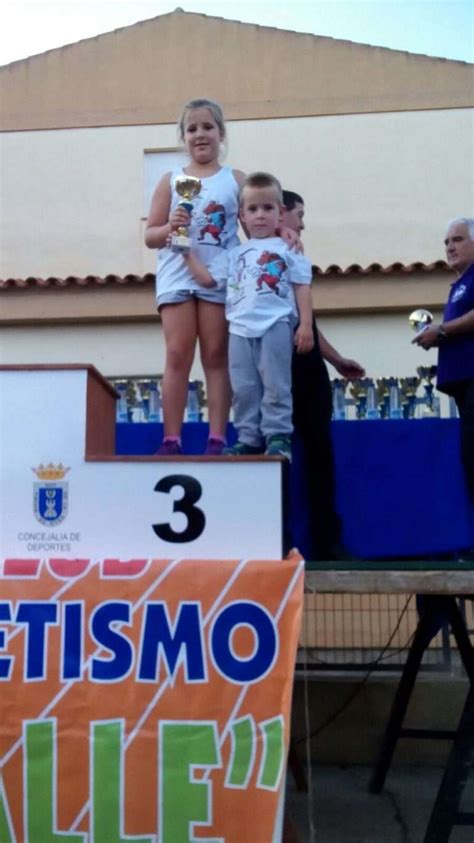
x=339, y=399
x=394, y=399
x=383, y=396
x=188, y=187
x=420, y=320
x=427, y=374
x=359, y=390
x=409, y=387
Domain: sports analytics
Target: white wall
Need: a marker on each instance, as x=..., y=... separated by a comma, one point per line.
x=119, y=349
x=378, y=187
x=381, y=343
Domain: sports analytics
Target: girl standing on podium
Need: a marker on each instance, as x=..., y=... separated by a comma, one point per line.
x=189, y=312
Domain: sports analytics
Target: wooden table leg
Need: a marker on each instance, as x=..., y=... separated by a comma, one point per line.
x=445, y=813
x=423, y=636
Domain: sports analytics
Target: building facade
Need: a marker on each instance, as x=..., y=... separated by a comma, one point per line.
x=379, y=142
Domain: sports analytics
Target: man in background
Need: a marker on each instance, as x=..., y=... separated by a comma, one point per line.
x=454, y=338
x=312, y=411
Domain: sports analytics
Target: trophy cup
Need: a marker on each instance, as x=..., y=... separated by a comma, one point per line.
x=359, y=390
x=394, y=402
x=372, y=401
x=188, y=187
x=139, y=402
x=155, y=413
x=122, y=402
x=409, y=387
x=420, y=320
x=383, y=395
x=427, y=373
x=143, y=393
x=339, y=399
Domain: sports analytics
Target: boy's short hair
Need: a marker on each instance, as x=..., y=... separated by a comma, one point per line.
x=261, y=179
x=290, y=199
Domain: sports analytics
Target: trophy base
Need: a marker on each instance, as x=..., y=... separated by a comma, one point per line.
x=433, y=411
x=180, y=243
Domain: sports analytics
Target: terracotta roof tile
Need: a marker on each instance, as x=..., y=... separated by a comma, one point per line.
x=74, y=280
x=357, y=269
x=148, y=278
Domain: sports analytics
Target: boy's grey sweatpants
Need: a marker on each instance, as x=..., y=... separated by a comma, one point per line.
x=260, y=374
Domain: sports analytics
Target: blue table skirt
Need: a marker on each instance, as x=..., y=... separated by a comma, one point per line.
x=400, y=489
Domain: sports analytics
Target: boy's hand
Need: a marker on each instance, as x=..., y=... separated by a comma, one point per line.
x=304, y=338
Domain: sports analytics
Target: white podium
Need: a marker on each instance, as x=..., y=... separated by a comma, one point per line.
x=66, y=495
x=148, y=629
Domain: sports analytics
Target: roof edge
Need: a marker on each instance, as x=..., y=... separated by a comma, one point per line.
x=132, y=279
x=182, y=12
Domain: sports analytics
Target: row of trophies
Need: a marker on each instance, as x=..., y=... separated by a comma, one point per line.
x=390, y=398
x=140, y=400
x=386, y=398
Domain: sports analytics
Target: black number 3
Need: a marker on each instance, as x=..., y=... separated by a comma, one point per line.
x=196, y=518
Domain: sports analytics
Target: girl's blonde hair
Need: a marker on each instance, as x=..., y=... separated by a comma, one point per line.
x=213, y=107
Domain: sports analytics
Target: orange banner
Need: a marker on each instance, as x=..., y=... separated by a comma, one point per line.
x=145, y=700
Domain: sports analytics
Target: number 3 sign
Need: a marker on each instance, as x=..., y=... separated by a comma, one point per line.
x=196, y=520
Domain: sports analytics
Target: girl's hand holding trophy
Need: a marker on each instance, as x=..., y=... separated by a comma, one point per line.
x=188, y=187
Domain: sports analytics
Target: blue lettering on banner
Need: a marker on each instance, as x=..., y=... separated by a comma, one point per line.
x=6, y=662
x=256, y=666
x=174, y=643
x=72, y=641
x=181, y=644
x=111, y=669
x=36, y=616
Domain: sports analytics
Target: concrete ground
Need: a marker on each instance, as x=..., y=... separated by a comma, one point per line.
x=343, y=811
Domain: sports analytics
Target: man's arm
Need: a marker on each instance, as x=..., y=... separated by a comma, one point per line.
x=344, y=365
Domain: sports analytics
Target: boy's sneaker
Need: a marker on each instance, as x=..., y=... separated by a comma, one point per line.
x=214, y=447
x=279, y=445
x=169, y=448
x=240, y=449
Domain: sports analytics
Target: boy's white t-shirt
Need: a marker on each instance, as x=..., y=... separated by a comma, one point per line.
x=258, y=276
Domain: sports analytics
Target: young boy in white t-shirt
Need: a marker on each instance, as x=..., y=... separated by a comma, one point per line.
x=267, y=294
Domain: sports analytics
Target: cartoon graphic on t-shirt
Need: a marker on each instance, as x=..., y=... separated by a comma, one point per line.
x=215, y=222
x=237, y=283
x=273, y=267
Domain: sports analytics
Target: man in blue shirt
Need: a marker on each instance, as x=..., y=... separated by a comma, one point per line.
x=455, y=338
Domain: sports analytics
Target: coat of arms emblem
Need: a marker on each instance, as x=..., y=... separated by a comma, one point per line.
x=50, y=496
